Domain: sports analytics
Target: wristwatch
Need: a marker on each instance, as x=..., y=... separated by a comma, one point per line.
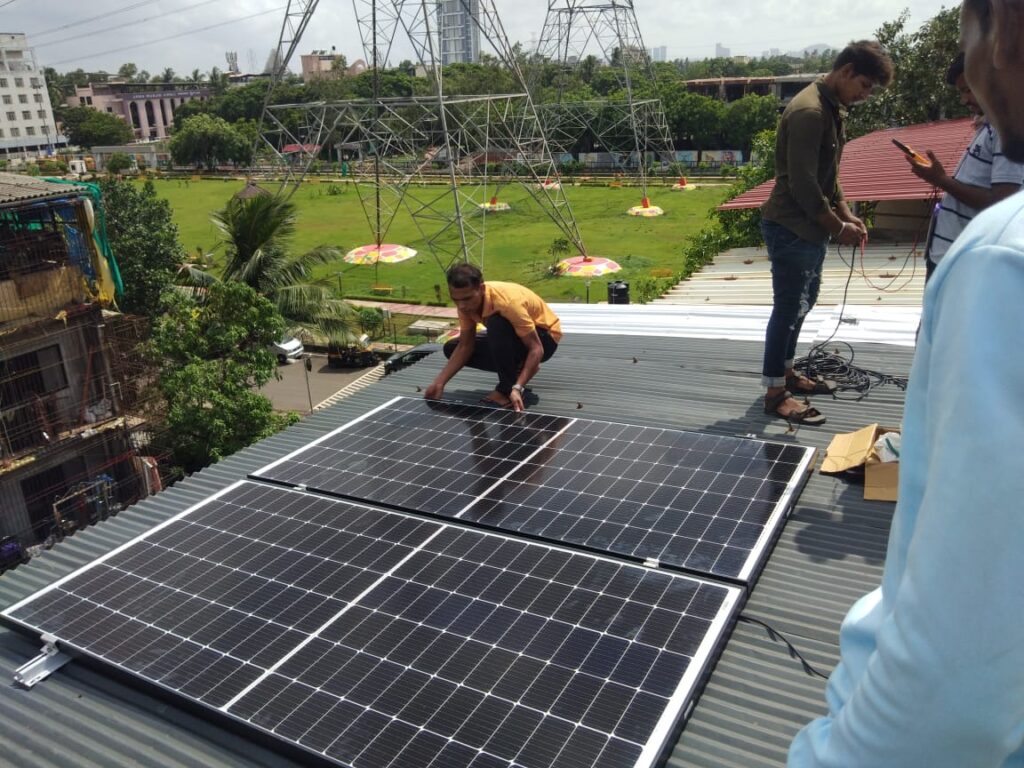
x=519, y=388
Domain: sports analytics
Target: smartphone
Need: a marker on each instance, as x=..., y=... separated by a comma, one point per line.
x=917, y=158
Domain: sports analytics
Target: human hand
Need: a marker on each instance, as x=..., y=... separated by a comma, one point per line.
x=516, y=399
x=435, y=391
x=849, y=234
x=934, y=173
x=860, y=225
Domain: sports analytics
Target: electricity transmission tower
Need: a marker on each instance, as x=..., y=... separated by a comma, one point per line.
x=632, y=133
x=432, y=155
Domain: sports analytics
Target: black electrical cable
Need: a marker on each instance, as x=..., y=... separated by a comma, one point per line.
x=778, y=637
x=838, y=366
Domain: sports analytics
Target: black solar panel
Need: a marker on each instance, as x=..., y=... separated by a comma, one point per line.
x=375, y=638
x=705, y=503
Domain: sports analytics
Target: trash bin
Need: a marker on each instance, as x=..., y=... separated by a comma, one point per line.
x=618, y=292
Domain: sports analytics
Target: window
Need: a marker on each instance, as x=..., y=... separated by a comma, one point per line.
x=37, y=98
x=88, y=100
x=30, y=131
x=15, y=132
x=110, y=109
x=45, y=129
x=12, y=115
x=3, y=82
x=41, y=114
x=22, y=98
x=1, y=133
x=19, y=82
x=34, y=81
x=26, y=115
x=7, y=99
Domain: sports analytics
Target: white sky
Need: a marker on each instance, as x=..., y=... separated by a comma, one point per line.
x=184, y=36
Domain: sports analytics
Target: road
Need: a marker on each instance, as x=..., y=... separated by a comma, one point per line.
x=289, y=393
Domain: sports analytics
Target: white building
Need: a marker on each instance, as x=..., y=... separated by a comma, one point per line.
x=659, y=53
x=721, y=52
x=26, y=115
x=460, y=36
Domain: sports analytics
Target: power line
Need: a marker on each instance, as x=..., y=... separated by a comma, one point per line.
x=4, y=5
x=168, y=37
x=114, y=12
x=125, y=24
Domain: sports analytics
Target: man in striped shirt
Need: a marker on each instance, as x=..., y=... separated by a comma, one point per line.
x=984, y=177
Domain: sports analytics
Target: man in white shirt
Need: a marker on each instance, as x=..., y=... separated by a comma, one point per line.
x=932, y=667
x=984, y=177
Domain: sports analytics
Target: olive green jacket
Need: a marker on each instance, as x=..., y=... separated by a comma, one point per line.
x=808, y=147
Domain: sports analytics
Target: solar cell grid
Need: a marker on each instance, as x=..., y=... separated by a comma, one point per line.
x=378, y=639
x=705, y=503
x=431, y=458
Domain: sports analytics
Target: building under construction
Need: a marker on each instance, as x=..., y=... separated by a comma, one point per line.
x=73, y=440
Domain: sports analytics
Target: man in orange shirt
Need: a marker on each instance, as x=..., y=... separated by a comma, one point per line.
x=522, y=333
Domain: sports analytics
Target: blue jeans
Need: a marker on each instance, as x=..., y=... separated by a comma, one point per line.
x=796, y=278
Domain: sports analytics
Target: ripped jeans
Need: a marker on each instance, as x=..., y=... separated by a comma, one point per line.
x=796, y=278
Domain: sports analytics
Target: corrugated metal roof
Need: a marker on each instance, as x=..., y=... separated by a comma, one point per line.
x=15, y=188
x=830, y=552
x=861, y=324
x=885, y=273
x=873, y=168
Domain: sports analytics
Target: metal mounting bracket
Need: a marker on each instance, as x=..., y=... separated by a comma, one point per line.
x=42, y=666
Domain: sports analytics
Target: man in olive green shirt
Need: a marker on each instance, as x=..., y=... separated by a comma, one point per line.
x=805, y=209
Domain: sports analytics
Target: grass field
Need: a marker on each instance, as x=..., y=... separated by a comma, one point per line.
x=516, y=243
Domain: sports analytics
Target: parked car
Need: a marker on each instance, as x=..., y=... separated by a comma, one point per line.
x=11, y=553
x=400, y=360
x=288, y=348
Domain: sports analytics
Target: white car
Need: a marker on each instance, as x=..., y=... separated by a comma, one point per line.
x=288, y=348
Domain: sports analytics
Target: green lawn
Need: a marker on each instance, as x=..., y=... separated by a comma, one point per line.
x=516, y=243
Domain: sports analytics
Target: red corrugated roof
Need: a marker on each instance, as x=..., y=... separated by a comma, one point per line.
x=874, y=169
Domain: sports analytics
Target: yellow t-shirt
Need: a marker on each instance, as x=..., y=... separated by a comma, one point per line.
x=524, y=309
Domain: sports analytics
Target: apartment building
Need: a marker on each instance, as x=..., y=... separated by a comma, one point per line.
x=26, y=115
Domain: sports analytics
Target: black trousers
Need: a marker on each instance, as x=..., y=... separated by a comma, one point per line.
x=502, y=351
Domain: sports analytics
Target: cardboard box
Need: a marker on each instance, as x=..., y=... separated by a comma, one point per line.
x=854, y=450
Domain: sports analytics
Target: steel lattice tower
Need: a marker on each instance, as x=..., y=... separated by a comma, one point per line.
x=428, y=154
x=633, y=131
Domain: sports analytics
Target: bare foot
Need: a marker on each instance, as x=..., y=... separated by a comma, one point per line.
x=498, y=399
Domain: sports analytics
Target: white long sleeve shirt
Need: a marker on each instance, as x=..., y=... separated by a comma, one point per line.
x=932, y=667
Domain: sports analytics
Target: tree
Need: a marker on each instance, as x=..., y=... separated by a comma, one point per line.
x=197, y=76
x=167, y=76
x=746, y=117
x=695, y=120
x=255, y=234
x=144, y=239
x=118, y=163
x=127, y=71
x=208, y=140
x=212, y=353
x=86, y=127
x=918, y=92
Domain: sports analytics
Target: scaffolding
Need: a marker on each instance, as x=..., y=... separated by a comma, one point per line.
x=74, y=385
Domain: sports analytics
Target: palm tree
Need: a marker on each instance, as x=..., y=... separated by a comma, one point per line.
x=255, y=233
x=197, y=76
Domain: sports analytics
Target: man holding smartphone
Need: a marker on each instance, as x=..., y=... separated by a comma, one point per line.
x=805, y=209
x=984, y=177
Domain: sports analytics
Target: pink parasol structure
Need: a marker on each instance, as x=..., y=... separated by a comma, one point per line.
x=385, y=253
x=587, y=266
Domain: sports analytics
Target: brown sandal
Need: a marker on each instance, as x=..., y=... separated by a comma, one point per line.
x=821, y=386
x=810, y=415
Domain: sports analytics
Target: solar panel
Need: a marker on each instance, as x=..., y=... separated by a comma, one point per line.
x=374, y=638
x=704, y=503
